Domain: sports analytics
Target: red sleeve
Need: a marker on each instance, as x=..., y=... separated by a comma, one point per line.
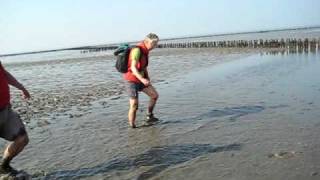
x=1, y=67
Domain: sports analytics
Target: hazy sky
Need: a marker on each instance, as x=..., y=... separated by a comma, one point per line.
x=27, y=25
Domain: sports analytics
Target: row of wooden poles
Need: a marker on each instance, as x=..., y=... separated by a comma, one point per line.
x=295, y=44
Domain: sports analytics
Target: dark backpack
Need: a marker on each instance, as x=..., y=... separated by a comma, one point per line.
x=122, y=56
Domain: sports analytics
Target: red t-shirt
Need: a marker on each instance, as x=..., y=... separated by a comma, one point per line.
x=4, y=88
x=141, y=65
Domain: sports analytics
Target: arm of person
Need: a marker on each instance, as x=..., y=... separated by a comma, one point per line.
x=147, y=74
x=13, y=82
x=135, y=56
x=136, y=73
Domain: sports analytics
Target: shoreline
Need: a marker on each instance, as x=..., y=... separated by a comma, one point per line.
x=167, y=39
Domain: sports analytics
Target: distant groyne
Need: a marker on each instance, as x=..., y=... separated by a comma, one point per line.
x=290, y=44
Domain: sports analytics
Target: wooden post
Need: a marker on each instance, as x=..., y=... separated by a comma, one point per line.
x=282, y=42
x=297, y=44
x=306, y=45
x=261, y=43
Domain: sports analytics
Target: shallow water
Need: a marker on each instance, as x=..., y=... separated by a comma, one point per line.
x=67, y=88
x=220, y=121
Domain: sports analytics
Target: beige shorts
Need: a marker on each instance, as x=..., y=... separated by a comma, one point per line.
x=11, y=125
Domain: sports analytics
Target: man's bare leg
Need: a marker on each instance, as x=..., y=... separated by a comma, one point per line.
x=132, y=111
x=12, y=150
x=153, y=94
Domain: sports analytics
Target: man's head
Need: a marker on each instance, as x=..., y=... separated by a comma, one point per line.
x=151, y=41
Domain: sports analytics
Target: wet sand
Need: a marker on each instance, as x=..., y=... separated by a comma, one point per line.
x=67, y=87
x=252, y=117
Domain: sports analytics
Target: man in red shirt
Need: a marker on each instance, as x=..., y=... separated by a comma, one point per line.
x=11, y=126
x=138, y=79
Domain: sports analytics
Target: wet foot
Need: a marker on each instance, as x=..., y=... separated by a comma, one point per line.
x=151, y=118
x=8, y=170
x=132, y=125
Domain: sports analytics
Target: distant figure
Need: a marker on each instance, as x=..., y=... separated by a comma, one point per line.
x=11, y=126
x=137, y=78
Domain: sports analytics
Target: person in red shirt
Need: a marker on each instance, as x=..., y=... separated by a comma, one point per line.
x=11, y=126
x=137, y=78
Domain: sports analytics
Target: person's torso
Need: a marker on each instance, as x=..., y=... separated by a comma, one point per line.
x=4, y=89
x=141, y=64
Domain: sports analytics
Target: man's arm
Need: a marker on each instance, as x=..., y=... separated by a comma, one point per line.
x=135, y=56
x=12, y=81
x=136, y=73
x=147, y=74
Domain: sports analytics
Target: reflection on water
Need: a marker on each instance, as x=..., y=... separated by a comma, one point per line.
x=297, y=50
x=158, y=158
x=234, y=112
x=231, y=112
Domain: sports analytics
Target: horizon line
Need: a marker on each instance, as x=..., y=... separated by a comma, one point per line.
x=164, y=39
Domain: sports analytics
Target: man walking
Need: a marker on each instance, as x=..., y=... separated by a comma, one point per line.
x=137, y=78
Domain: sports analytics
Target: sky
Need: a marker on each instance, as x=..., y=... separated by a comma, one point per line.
x=31, y=25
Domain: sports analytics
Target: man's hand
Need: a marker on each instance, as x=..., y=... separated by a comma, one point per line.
x=146, y=82
x=25, y=93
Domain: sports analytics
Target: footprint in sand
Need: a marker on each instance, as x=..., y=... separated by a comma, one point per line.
x=284, y=155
